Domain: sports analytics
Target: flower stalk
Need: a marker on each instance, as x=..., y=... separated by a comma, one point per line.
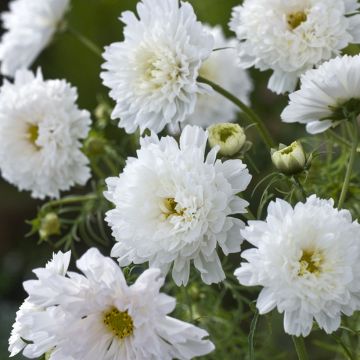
x=250, y=114
x=85, y=41
x=350, y=166
x=300, y=348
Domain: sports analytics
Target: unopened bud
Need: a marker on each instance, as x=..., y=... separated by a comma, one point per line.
x=102, y=114
x=50, y=225
x=230, y=137
x=290, y=159
x=94, y=145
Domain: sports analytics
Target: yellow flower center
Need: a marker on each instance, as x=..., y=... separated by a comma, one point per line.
x=311, y=262
x=33, y=134
x=170, y=206
x=296, y=19
x=119, y=323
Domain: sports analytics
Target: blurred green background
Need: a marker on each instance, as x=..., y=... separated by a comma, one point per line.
x=69, y=59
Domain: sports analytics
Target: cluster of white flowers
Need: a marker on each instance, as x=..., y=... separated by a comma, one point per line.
x=40, y=132
x=175, y=203
x=174, y=206
x=292, y=36
x=109, y=319
x=30, y=26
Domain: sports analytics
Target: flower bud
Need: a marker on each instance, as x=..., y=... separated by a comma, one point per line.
x=50, y=225
x=94, y=145
x=290, y=159
x=102, y=114
x=230, y=138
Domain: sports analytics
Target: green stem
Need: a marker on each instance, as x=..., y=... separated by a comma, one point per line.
x=112, y=167
x=251, y=115
x=299, y=186
x=300, y=348
x=69, y=200
x=252, y=335
x=85, y=41
x=350, y=166
x=339, y=138
x=188, y=301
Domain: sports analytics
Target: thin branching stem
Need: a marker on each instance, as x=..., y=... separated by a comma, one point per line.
x=350, y=166
x=85, y=41
x=250, y=114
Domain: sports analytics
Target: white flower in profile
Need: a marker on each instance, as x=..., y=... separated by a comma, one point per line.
x=153, y=73
x=173, y=206
x=292, y=36
x=307, y=259
x=221, y=68
x=23, y=329
x=40, y=131
x=29, y=27
x=111, y=320
x=327, y=95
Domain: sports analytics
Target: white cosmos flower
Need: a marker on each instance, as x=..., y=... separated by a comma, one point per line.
x=152, y=74
x=29, y=27
x=221, y=67
x=23, y=327
x=327, y=94
x=99, y=316
x=307, y=259
x=174, y=206
x=40, y=132
x=292, y=36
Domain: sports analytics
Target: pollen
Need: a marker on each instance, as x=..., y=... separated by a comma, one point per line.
x=311, y=262
x=170, y=207
x=296, y=19
x=33, y=134
x=119, y=323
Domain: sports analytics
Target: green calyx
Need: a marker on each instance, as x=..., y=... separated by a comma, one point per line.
x=347, y=110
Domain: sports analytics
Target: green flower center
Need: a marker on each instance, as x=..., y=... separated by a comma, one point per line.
x=296, y=19
x=289, y=149
x=311, y=262
x=226, y=133
x=119, y=323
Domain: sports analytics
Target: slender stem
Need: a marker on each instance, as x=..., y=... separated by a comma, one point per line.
x=350, y=166
x=299, y=186
x=188, y=301
x=85, y=41
x=251, y=115
x=339, y=138
x=112, y=167
x=69, y=200
x=300, y=348
x=252, y=335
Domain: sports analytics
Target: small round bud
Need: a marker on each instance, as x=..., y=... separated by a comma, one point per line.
x=290, y=159
x=50, y=225
x=94, y=145
x=102, y=114
x=230, y=137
